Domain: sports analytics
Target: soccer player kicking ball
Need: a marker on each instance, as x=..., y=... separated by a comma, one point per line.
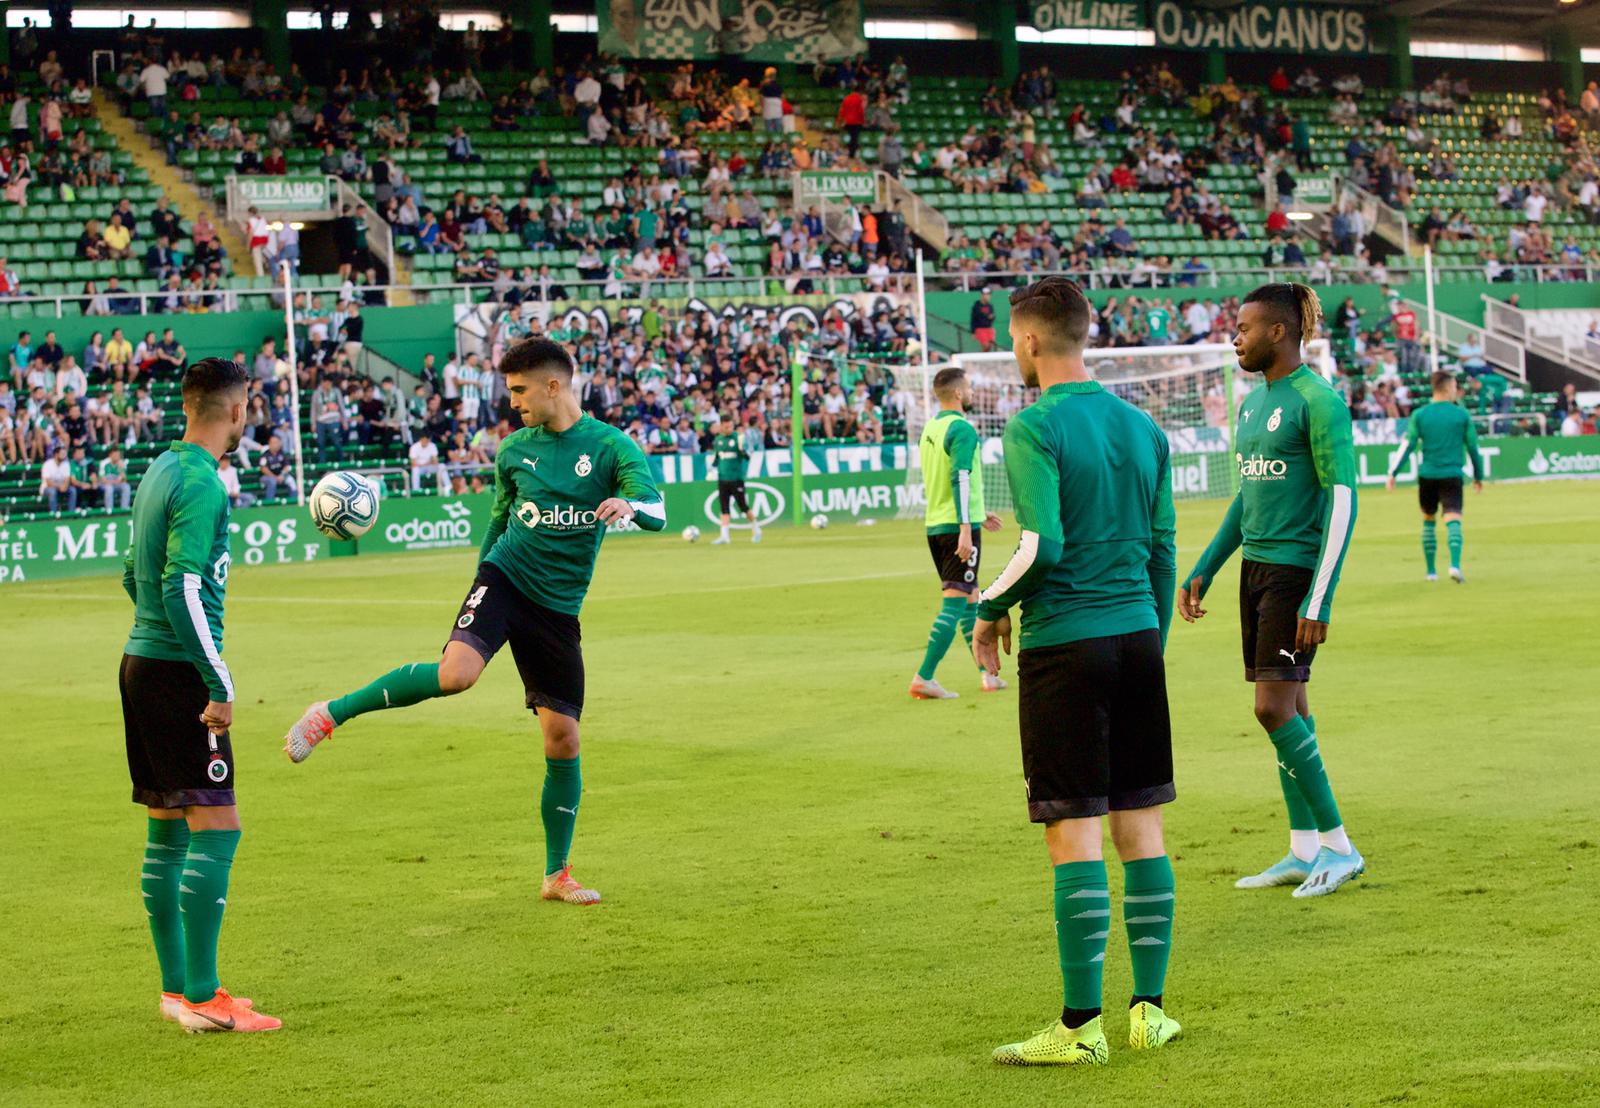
x=731, y=459
x=1444, y=432
x=1094, y=572
x=177, y=701
x=1294, y=513
x=952, y=474
x=559, y=482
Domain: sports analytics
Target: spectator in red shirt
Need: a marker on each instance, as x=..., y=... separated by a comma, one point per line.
x=1277, y=222
x=852, y=117
x=1122, y=178
x=1279, y=82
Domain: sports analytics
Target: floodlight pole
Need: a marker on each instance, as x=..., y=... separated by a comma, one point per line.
x=294, y=383
x=1433, y=322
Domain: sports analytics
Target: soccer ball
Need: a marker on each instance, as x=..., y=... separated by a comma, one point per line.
x=691, y=533
x=344, y=505
x=819, y=522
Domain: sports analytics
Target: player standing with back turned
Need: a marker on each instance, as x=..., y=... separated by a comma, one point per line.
x=1294, y=513
x=559, y=482
x=952, y=480
x=1094, y=570
x=177, y=701
x=1444, y=432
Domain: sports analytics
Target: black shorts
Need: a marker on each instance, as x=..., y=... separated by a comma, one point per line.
x=1096, y=737
x=546, y=645
x=1269, y=614
x=953, y=572
x=731, y=491
x=1434, y=493
x=173, y=759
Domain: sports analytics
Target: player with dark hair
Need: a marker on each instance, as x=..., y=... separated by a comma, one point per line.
x=1294, y=513
x=560, y=481
x=952, y=480
x=1444, y=432
x=731, y=458
x=1094, y=572
x=177, y=701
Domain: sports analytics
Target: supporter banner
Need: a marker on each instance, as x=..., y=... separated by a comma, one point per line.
x=778, y=31
x=1099, y=15
x=855, y=186
x=1313, y=188
x=845, y=483
x=1263, y=26
x=283, y=194
x=600, y=317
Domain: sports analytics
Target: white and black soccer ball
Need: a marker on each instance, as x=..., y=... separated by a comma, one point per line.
x=819, y=522
x=344, y=505
x=691, y=533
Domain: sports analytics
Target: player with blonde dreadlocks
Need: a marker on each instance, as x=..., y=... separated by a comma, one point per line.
x=1293, y=516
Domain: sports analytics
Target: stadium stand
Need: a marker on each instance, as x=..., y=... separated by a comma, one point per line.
x=524, y=192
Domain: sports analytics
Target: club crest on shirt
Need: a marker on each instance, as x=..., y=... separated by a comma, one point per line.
x=584, y=466
x=1274, y=419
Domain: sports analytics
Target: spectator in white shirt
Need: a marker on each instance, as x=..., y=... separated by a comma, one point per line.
x=153, y=83
x=587, y=91
x=718, y=264
x=55, y=478
x=598, y=128
x=229, y=477
x=1533, y=207
x=424, y=463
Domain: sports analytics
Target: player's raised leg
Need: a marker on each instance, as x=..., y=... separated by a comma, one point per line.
x=472, y=644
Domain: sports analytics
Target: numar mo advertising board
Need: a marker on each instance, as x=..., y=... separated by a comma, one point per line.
x=846, y=483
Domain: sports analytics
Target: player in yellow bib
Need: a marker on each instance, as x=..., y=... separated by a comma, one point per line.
x=952, y=480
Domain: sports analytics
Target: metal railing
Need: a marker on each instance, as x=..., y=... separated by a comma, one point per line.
x=922, y=218
x=688, y=288
x=1388, y=223
x=1119, y=278
x=1523, y=326
x=1498, y=350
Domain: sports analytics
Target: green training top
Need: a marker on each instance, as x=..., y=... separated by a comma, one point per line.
x=1297, y=498
x=547, y=485
x=731, y=457
x=176, y=570
x=1092, y=483
x=952, y=473
x=1447, y=438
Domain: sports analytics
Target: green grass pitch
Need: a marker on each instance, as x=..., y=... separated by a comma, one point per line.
x=816, y=890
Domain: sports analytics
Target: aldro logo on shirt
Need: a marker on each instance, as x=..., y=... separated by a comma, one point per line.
x=1261, y=468
x=564, y=518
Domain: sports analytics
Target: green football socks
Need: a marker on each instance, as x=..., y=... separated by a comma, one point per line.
x=399, y=688
x=1148, y=898
x=1430, y=544
x=1298, y=754
x=1453, y=532
x=1083, y=920
x=203, y=895
x=166, y=841
x=943, y=632
x=1300, y=817
x=969, y=619
x=558, y=806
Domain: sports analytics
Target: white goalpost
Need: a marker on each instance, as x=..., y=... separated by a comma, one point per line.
x=1191, y=391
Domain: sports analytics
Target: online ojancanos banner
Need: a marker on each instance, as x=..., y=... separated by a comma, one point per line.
x=1280, y=28
x=846, y=483
x=778, y=31
x=1099, y=15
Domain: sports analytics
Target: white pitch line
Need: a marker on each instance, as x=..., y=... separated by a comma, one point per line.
x=445, y=601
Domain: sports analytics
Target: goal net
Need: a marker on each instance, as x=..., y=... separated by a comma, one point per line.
x=1191, y=392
